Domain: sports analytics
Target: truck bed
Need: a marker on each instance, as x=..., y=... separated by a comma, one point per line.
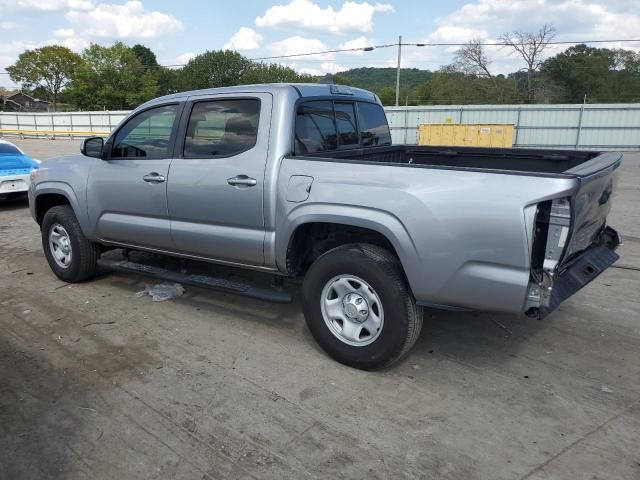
x=512, y=160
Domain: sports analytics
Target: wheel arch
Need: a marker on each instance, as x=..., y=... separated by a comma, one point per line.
x=52, y=194
x=381, y=227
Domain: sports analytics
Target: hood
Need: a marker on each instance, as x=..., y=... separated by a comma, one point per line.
x=17, y=163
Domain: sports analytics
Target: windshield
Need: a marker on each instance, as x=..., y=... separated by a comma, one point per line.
x=8, y=148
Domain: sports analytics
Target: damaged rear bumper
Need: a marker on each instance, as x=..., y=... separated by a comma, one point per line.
x=581, y=270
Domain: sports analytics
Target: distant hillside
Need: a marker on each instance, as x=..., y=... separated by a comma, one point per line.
x=372, y=78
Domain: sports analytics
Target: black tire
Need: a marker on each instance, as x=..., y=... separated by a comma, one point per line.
x=381, y=269
x=84, y=255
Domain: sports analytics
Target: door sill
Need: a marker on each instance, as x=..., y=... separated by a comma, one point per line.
x=259, y=268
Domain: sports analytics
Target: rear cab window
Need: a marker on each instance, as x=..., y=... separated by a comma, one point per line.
x=326, y=125
x=374, y=129
x=315, y=127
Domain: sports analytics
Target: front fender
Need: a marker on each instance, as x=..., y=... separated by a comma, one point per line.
x=64, y=189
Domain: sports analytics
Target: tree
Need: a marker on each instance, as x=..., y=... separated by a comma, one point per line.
x=113, y=78
x=600, y=74
x=145, y=56
x=581, y=70
x=219, y=68
x=167, y=78
x=387, y=95
x=472, y=59
x=627, y=75
x=272, y=73
x=49, y=67
x=530, y=47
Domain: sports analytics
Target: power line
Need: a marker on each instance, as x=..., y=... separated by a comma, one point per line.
x=413, y=44
x=409, y=44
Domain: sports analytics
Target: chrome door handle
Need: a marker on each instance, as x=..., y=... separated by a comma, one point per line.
x=242, y=181
x=153, y=177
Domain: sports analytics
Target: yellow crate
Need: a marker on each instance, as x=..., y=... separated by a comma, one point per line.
x=446, y=134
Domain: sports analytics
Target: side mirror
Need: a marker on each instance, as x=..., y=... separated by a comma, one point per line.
x=92, y=147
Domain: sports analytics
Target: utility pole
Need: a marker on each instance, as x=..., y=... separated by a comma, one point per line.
x=398, y=73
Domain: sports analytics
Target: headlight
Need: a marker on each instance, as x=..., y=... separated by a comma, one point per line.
x=32, y=175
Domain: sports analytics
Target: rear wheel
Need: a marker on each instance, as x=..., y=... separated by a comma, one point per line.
x=359, y=307
x=70, y=255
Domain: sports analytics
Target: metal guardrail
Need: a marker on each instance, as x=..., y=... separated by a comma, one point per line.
x=51, y=133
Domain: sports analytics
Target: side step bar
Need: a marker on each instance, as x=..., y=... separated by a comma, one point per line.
x=202, y=281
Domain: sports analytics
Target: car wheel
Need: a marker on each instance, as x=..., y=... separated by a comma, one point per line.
x=70, y=255
x=359, y=307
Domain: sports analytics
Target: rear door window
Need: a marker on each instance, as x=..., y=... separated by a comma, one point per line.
x=315, y=127
x=222, y=128
x=374, y=129
x=346, y=124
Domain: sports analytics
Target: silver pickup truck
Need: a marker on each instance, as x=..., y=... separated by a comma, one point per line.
x=301, y=180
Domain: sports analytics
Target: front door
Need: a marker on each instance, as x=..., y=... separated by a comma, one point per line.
x=127, y=191
x=216, y=185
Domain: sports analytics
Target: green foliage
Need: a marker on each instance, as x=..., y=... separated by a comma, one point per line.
x=219, y=68
x=375, y=79
x=122, y=77
x=599, y=73
x=49, y=68
x=146, y=56
x=273, y=73
x=112, y=78
x=387, y=95
x=449, y=87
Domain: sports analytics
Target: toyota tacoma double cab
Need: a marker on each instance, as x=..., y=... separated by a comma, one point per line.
x=301, y=180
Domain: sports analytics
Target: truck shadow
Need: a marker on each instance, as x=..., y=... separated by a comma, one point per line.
x=475, y=337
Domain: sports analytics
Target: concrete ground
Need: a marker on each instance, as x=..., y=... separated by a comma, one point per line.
x=96, y=383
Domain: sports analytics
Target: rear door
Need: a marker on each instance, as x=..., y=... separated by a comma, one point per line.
x=127, y=191
x=216, y=185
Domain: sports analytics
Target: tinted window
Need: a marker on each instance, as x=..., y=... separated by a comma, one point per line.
x=374, y=130
x=8, y=148
x=222, y=127
x=146, y=135
x=346, y=124
x=315, y=127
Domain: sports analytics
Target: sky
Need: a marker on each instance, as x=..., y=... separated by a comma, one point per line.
x=178, y=30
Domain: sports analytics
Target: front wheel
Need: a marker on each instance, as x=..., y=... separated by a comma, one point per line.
x=70, y=255
x=359, y=308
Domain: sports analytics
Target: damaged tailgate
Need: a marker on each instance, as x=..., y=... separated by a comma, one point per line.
x=573, y=242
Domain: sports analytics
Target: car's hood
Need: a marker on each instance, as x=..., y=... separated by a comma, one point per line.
x=16, y=163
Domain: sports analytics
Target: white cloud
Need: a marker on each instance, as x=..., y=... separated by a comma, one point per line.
x=331, y=67
x=65, y=32
x=244, y=39
x=352, y=16
x=297, y=45
x=54, y=5
x=323, y=69
x=123, y=21
x=7, y=25
x=360, y=42
x=73, y=42
x=9, y=54
x=488, y=19
x=185, y=57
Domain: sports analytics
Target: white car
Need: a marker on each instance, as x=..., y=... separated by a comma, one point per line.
x=15, y=168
